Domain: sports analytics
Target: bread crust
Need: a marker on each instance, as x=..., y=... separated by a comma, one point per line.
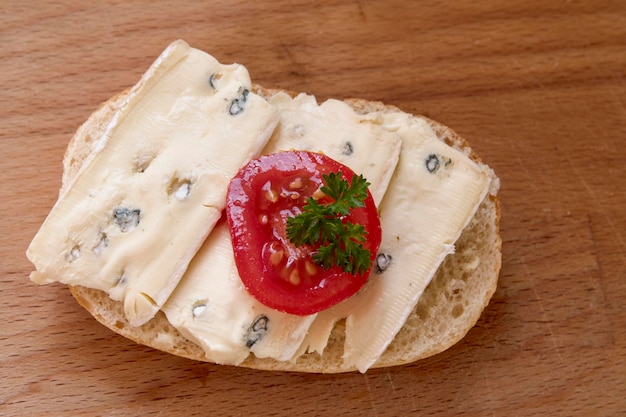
x=450, y=306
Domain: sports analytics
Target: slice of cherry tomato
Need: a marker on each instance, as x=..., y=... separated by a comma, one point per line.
x=261, y=197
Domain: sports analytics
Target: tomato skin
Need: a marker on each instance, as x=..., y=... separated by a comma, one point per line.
x=261, y=197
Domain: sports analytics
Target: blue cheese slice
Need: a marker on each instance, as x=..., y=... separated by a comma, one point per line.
x=431, y=198
x=142, y=205
x=210, y=306
x=333, y=128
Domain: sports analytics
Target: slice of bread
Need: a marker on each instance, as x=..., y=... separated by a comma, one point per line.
x=448, y=309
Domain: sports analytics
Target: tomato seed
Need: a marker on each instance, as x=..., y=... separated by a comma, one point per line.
x=318, y=194
x=271, y=195
x=296, y=184
x=294, y=277
x=276, y=257
x=310, y=268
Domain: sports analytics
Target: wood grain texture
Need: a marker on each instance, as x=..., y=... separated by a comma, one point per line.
x=537, y=87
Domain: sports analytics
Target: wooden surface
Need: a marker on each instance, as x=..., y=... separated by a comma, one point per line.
x=539, y=89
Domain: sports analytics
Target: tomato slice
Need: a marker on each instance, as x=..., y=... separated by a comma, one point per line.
x=261, y=197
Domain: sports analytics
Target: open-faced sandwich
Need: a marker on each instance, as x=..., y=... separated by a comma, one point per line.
x=214, y=219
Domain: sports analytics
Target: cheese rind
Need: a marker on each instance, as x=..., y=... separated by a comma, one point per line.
x=141, y=206
x=225, y=328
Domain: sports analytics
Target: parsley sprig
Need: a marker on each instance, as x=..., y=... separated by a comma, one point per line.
x=340, y=243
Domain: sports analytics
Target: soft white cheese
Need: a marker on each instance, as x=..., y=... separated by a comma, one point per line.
x=210, y=306
x=334, y=129
x=141, y=206
x=432, y=196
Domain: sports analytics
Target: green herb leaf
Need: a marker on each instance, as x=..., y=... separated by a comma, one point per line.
x=340, y=243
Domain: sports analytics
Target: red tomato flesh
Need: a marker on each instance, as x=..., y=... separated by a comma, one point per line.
x=261, y=197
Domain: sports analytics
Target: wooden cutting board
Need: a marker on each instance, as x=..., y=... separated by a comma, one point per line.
x=537, y=87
